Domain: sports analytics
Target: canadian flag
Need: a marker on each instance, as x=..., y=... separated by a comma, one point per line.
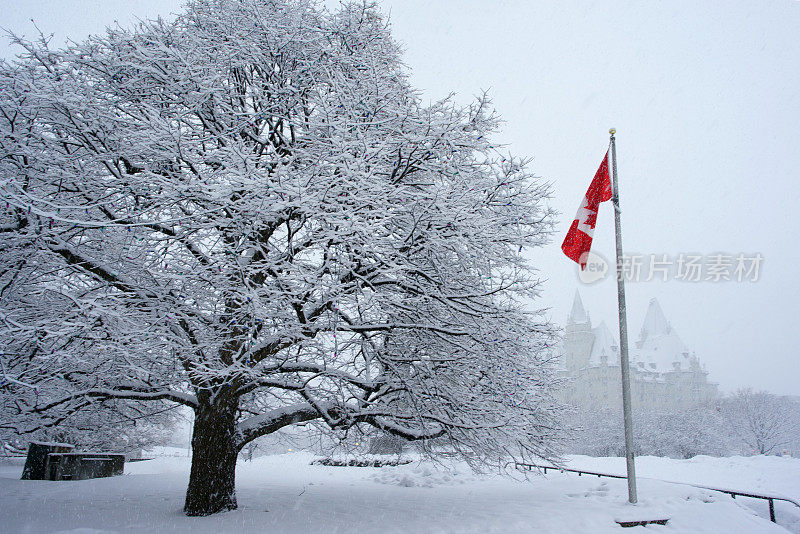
x=579, y=238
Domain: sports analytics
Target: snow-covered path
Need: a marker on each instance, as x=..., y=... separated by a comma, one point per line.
x=283, y=494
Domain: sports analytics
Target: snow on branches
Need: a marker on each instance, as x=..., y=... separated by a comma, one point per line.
x=249, y=211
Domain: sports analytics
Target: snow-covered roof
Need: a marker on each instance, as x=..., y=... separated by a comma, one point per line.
x=655, y=323
x=659, y=346
x=662, y=353
x=578, y=313
x=605, y=348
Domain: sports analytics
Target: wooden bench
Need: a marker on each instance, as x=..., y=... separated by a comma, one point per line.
x=36, y=461
x=84, y=465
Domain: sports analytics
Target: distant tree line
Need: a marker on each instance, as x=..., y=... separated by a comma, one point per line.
x=746, y=422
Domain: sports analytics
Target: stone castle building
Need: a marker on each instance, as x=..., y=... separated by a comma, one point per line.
x=665, y=375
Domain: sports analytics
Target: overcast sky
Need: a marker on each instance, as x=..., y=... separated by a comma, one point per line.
x=705, y=98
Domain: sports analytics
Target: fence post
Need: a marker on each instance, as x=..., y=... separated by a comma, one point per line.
x=772, y=511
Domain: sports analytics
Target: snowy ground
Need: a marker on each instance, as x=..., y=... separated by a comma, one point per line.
x=284, y=494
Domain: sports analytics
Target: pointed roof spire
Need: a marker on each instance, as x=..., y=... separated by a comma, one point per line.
x=655, y=323
x=578, y=313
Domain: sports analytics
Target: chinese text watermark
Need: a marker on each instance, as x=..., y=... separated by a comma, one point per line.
x=683, y=267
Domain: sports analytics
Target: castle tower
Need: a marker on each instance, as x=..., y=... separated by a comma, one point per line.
x=665, y=374
x=578, y=337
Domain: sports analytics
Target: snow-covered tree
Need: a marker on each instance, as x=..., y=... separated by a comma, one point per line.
x=249, y=211
x=764, y=422
x=108, y=425
x=674, y=434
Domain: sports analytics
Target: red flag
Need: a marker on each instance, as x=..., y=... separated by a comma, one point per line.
x=579, y=238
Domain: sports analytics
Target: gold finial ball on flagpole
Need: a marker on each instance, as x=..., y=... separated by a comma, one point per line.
x=612, y=131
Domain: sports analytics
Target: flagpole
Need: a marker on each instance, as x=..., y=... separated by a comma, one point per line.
x=623, y=331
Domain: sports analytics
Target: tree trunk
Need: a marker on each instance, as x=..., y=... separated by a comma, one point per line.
x=212, y=482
